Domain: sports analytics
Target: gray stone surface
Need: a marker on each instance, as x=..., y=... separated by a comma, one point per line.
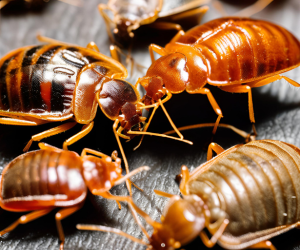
x=277, y=112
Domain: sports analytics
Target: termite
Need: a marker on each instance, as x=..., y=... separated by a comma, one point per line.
x=129, y=15
x=63, y=82
x=233, y=54
x=244, y=196
x=44, y=179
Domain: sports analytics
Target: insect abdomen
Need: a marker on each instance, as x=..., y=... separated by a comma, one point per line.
x=257, y=185
x=40, y=80
x=242, y=50
x=48, y=176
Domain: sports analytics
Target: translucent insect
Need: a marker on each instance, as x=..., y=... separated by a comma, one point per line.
x=44, y=179
x=129, y=15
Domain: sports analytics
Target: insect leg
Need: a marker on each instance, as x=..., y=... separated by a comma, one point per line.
x=162, y=193
x=49, y=147
x=147, y=125
x=170, y=120
x=84, y=131
x=117, y=135
x=93, y=46
x=203, y=125
x=94, y=152
x=17, y=121
x=116, y=52
x=108, y=21
x=213, y=103
x=159, y=50
x=45, y=39
x=242, y=89
x=214, y=147
x=180, y=34
x=49, y=132
x=184, y=178
x=165, y=26
x=60, y=215
x=211, y=242
x=264, y=244
x=109, y=230
x=253, y=9
x=268, y=80
x=26, y=218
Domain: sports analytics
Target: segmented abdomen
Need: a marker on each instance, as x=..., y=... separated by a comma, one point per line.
x=41, y=79
x=54, y=178
x=257, y=185
x=241, y=49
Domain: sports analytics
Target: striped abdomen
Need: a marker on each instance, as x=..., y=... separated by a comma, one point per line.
x=40, y=80
x=240, y=49
x=42, y=178
x=257, y=185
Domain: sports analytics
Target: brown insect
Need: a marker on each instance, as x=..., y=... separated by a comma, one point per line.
x=244, y=196
x=129, y=15
x=44, y=179
x=234, y=54
x=63, y=82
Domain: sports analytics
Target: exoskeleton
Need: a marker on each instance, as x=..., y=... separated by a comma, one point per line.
x=243, y=196
x=63, y=82
x=129, y=15
x=44, y=179
x=233, y=54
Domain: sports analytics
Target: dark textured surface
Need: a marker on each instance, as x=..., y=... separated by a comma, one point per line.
x=276, y=107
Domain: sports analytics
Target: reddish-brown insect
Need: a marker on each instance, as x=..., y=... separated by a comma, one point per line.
x=44, y=179
x=129, y=15
x=234, y=54
x=244, y=196
x=63, y=82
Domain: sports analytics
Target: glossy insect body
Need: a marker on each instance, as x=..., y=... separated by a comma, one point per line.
x=44, y=179
x=129, y=15
x=244, y=196
x=234, y=54
x=58, y=82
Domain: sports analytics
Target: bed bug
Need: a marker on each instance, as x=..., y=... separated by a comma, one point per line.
x=244, y=196
x=44, y=179
x=233, y=54
x=63, y=82
x=129, y=15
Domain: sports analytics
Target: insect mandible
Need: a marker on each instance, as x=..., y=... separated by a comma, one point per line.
x=129, y=15
x=234, y=54
x=244, y=196
x=44, y=179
